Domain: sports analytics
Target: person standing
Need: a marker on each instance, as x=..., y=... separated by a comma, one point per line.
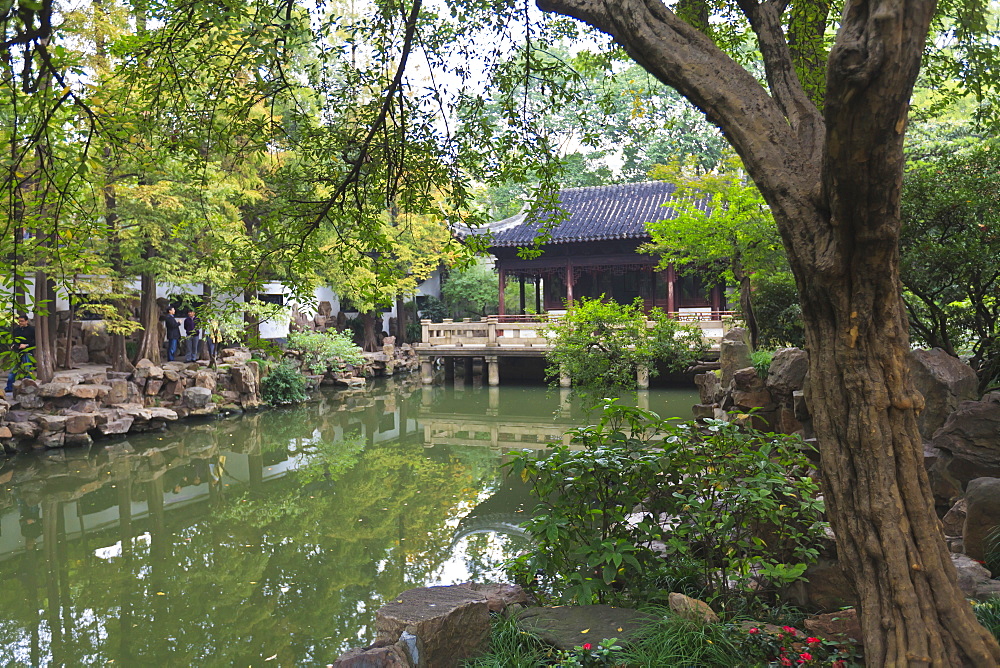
x=22, y=344
x=173, y=333
x=193, y=331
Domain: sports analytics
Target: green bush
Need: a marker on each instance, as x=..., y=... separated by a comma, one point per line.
x=283, y=385
x=745, y=514
x=776, y=305
x=761, y=360
x=600, y=345
x=322, y=351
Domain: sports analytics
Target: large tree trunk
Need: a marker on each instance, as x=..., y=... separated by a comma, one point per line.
x=45, y=334
x=833, y=182
x=149, y=318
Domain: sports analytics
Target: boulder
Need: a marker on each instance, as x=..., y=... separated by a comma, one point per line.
x=25, y=430
x=692, y=608
x=90, y=391
x=54, y=390
x=52, y=439
x=788, y=371
x=734, y=354
x=450, y=623
x=389, y=656
x=954, y=520
x=80, y=423
x=709, y=387
x=945, y=382
x=973, y=579
x=206, y=379
x=842, y=626
x=499, y=597
x=197, y=397
x=982, y=517
x=749, y=390
x=119, y=425
x=567, y=627
x=153, y=387
x=118, y=392
x=969, y=441
x=52, y=422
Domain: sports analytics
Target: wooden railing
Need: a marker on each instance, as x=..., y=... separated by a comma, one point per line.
x=529, y=331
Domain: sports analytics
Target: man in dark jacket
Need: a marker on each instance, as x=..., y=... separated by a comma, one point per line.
x=22, y=343
x=193, y=331
x=173, y=333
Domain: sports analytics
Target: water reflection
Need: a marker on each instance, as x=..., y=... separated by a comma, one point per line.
x=268, y=539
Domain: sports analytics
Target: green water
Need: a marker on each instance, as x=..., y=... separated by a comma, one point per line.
x=268, y=539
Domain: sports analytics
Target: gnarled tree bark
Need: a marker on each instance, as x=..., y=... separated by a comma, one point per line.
x=833, y=181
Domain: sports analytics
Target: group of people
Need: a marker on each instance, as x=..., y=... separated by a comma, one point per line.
x=22, y=343
x=193, y=332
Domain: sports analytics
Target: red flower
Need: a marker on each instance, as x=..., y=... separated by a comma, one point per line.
x=839, y=663
x=754, y=630
x=785, y=661
x=789, y=629
x=813, y=641
x=587, y=645
x=805, y=656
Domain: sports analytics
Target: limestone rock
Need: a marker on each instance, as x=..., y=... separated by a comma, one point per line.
x=969, y=441
x=944, y=382
x=90, y=391
x=52, y=439
x=499, y=597
x=205, y=379
x=973, y=579
x=197, y=397
x=788, y=371
x=982, y=498
x=842, y=625
x=734, y=354
x=569, y=626
x=54, y=390
x=390, y=656
x=692, y=608
x=52, y=422
x=450, y=623
x=117, y=426
x=80, y=423
x=709, y=387
x=954, y=519
x=25, y=430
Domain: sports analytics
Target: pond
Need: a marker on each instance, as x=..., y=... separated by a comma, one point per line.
x=269, y=538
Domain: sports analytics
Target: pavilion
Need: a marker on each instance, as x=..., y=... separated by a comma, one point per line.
x=593, y=251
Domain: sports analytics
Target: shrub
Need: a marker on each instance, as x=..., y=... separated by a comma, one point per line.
x=776, y=305
x=325, y=350
x=602, y=344
x=745, y=514
x=761, y=360
x=283, y=385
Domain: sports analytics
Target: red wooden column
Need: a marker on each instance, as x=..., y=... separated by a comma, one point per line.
x=503, y=287
x=671, y=300
x=569, y=282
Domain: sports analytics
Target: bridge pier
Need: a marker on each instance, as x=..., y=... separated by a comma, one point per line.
x=493, y=370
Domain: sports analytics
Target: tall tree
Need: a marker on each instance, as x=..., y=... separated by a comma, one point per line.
x=823, y=141
x=722, y=228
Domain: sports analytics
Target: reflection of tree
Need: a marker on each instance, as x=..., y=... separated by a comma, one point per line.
x=288, y=570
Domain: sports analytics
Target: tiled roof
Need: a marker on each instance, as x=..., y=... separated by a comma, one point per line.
x=597, y=213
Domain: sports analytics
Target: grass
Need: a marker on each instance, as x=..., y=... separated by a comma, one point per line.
x=988, y=614
x=674, y=641
x=511, y=647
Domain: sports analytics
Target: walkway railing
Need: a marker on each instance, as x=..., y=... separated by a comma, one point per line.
x=523, y=331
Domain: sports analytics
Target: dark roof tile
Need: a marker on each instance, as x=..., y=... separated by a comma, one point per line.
x=595, y=213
